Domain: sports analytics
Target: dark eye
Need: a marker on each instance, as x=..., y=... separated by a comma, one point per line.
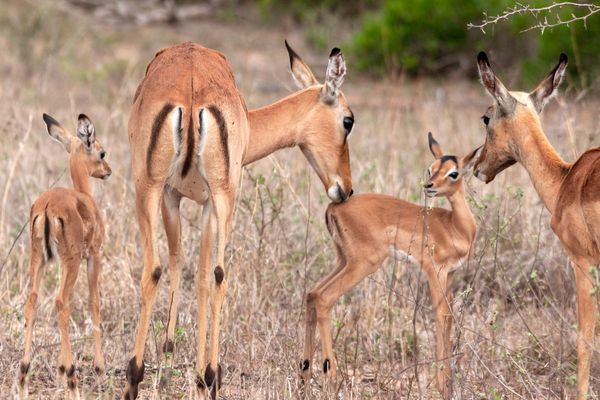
x=102, y=154
x=348, y=124
x=486, y=119
x=454, y=175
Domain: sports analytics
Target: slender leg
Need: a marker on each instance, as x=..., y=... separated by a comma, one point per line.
x=587, y=314
x=63, y=311
x=441, y=297
x=94, y=268
x=37, y=263
x=172, y=222
x=202, y=288
x=147, y=204
x=223, y=207
x=311, y=321
x=327, y=295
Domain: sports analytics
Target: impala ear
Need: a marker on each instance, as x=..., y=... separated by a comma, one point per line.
x=469, y=159
x=494, y=86
x=548, y=87
x=57, y=132
x=434, y=147
x=334, y=77
x=86, y=131
x=301, y=73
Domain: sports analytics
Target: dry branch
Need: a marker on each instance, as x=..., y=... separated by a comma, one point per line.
x=543, y=15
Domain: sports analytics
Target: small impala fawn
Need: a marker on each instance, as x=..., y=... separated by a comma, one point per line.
x=66, y=224
x=369, y=228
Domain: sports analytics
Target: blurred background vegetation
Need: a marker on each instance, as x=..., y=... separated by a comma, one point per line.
x=421, y=37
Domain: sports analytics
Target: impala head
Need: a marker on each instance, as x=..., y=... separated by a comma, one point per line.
x=327, y=123
x=512, y=116
x=85, y=152
x=445, y=175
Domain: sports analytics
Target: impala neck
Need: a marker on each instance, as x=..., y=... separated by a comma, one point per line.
x=278, y=125
x=80, y=179
x=545, y=166
x=462, y=217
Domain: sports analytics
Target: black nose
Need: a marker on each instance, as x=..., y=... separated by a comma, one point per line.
x=428, y=185
x=351, y=192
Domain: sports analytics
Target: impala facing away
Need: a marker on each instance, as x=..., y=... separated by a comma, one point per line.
x=66, y=224
x=571, y=192
x=190, y=134
x=369, y=228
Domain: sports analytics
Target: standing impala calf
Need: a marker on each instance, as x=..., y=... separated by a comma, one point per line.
x=369, y=228
x=66, y=225
x=190, y=133
x=570, y=191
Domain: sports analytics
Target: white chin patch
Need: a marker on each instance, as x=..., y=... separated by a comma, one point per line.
x=334, y=193
x=481, y=176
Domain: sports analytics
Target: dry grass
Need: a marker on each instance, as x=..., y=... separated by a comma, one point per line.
x=515, y=302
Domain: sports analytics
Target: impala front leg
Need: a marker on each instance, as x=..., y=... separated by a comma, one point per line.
x=147, y=204
x=441, y=297
x=587, y=315
x=172, y=222
x=94, y=267
x=202, y=288
x=223, y=206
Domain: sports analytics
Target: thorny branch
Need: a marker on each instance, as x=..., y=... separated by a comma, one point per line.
x=543, y=15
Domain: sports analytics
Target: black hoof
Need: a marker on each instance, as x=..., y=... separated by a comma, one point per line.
x=212, y=379
x=169, y=347
x=326, y=366
x=134, y=376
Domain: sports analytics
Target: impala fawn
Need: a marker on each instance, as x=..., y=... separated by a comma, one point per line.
x=66, y=225
x=369, y=228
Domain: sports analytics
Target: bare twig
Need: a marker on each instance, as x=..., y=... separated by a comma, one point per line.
x=543, y=15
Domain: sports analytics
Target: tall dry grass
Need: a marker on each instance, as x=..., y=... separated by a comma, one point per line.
x=515, y=301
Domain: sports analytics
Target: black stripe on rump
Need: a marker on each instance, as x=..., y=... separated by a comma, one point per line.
x=218, y=115
x=191, y=142
x=156, y=127
x=47, y=235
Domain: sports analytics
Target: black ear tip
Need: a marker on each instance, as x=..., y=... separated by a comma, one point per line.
x=287, y=45
x=482, y=57
x=49, y=120
x=563, y=58
x=430, y=136
x=82, y=116
x=334, y=52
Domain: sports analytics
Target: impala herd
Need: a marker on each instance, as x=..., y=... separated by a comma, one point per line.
x=190, y=134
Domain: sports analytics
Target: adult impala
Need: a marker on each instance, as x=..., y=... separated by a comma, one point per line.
x=190, y=134
x=66, y=224
x=570, y=191
x=369, y=228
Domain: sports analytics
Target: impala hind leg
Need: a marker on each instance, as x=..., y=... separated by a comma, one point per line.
x=311, y=322
x=441, y=298
x=172, y=222
x=66, y=368
x=147, y=204
x=223, y=207
x=325, y=298
x=587, y=315
x=94, y=268
x=202, y=288
x=36, y=265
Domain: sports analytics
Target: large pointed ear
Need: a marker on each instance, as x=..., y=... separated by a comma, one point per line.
x=493, y=85
x=57, y=132
x=469, y=159
x=85, y=131
x=548, y=87
x=334, y=77
x=301, y=73
x=434, y=147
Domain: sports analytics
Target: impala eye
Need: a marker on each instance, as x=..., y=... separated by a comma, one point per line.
x=453, y=175
x=486, y=119
x=348, y=124
x=102, y=154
